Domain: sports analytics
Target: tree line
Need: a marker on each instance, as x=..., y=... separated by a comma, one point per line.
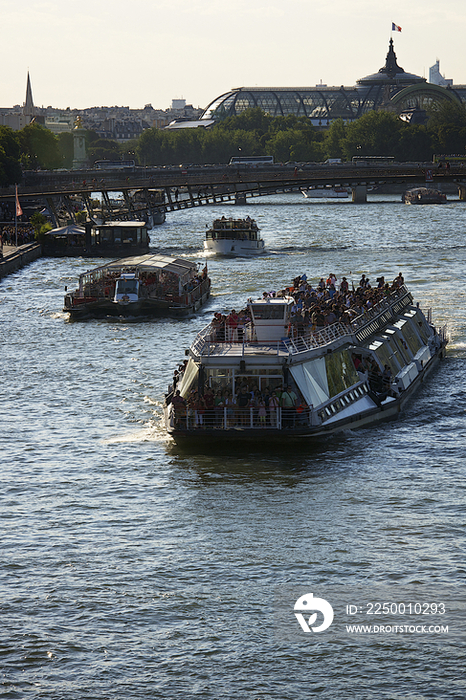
x=253, y=132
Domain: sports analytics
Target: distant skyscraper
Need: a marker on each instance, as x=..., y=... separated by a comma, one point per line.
x=178, y=103
x=28, y=107
x=436, y=78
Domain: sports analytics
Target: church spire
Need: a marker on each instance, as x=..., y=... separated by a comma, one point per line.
x=28, y=107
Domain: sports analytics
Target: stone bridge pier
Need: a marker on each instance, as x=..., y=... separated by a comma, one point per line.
x=462, y=192
x=359, y=194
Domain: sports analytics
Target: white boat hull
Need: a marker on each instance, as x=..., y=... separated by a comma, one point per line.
x=234, y=247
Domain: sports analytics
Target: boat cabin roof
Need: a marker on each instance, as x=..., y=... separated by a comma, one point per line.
x=70, y=230
x=271, y=309
x=122, y=224
x=184, y=269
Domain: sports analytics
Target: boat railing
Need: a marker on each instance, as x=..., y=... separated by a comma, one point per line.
x=241, y=340
x=442, y=333
x=315, y=339
x=234, y=417
x=209, y=343
x=362, y=326
x=203, y=338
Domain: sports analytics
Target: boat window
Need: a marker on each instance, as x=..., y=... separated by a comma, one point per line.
x=341, y=373
x=422, y=327
x=106, y=235
x=388, y=356
x=220, y=379
x=411, y=338
x=397, y=349
x=268, y=311
x=124, y=286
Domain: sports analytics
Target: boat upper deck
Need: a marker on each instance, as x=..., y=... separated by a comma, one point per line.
x=216, y=339
x=233, y=229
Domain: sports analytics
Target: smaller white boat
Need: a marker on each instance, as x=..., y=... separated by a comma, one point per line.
x=325, y=193
x=234, y=237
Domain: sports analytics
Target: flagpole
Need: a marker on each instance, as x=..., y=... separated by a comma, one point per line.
x=18, y=212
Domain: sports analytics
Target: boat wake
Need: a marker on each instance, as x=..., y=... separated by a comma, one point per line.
x=151, y=432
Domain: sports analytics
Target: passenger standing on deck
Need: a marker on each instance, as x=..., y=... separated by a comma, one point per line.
x=274, y=403
x=242, y=402
x=199, y=411
x=240, y=326
x=209, y=401
x=230, y=403
x=232, y=326
x=179, y=406
x=344, y=285
x=262, y=413
x=288, y=402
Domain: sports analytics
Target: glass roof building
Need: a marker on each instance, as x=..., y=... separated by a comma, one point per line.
x=391, y=88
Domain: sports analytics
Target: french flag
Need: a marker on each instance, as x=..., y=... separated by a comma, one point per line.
x=395, y=28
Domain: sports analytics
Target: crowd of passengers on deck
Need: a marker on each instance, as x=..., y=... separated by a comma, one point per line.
x=248, y=407
x=315, y=306
x=152, y=284
x=223, y=223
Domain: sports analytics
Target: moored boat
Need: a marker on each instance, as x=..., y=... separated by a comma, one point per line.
x=424, y=195
x=97, y=239
x=325, y=193
x=234, y=237
x=145, y=285
x=269, y=376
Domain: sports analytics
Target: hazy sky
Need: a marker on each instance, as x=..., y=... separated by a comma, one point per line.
x=109, y=52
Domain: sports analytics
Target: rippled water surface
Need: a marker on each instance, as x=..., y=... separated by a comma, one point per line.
x=133, y=569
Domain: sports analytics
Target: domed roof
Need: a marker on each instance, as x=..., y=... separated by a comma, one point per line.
x=391, y=73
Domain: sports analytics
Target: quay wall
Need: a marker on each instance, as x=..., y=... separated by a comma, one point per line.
x=22, y=256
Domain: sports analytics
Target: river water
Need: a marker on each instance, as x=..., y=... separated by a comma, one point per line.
x=133, y=569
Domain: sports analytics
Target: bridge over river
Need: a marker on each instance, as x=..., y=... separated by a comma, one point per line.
x=138, y=192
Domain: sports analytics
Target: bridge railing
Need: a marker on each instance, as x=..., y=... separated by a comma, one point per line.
x=95, y=180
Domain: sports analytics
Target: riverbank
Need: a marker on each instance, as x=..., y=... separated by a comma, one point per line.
x=15, y=258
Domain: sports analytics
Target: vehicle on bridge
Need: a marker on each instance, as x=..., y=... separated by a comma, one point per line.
x=251, y=160
x=114, y=164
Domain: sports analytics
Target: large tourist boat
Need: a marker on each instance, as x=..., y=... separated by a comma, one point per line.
x=146, y=285
x=424, y=195
x=268, y=376
x=234, y=237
